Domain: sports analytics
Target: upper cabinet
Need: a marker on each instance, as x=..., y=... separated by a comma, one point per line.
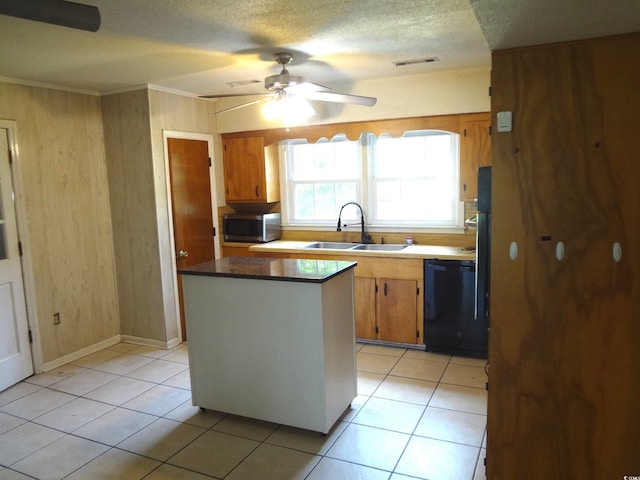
x=475, y=151
x=251, y=173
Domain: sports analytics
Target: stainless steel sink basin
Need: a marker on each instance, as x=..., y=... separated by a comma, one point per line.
x=332, y=245
x=388, y=247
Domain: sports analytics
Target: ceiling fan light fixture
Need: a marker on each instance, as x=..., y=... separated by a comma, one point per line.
x=290, y=109
x=283, y=80
x=272, y=110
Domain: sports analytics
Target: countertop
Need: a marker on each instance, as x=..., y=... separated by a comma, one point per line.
x=282, y=269
x=412, y=251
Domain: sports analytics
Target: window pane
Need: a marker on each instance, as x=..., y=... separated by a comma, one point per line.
x=324, y=161
x=322, y=176
x=304, y=201
x=400, y=154
x=414, y=178
x=321, y=201
x=425, y=155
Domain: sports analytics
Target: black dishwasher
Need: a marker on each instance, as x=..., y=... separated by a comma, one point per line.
x=450, y=325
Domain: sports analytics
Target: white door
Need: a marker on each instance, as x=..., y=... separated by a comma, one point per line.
x=15, y=351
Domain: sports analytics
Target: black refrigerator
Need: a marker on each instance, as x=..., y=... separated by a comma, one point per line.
x=483, y=244
x=456, y=292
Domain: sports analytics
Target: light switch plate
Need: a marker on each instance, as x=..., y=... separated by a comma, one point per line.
x=504, y=121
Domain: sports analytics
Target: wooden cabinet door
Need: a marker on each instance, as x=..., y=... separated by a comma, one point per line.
x=365, y=307
x=397, y=310
x=244, y=169
x=475, y=151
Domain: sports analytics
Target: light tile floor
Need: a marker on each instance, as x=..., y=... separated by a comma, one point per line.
x=125, y=413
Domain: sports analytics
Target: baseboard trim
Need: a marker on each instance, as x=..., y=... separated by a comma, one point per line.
x=148, y=342
x=81, y=353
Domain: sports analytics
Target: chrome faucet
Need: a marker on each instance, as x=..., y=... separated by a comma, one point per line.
x=365, y=237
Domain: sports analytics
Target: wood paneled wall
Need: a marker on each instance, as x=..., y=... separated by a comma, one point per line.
x=134, y=123
x=133, y=206
x=564, y=350
x=68, y=233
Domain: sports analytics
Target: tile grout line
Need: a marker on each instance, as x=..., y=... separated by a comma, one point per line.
x=210, y=428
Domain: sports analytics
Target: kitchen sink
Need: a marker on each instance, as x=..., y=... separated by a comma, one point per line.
x=388, y=247
x=333, y=245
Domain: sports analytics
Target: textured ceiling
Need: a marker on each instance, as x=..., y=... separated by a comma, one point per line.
x=199, y=46
x=517, y=23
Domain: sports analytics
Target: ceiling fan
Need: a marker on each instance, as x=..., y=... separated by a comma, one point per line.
x=56, y=12
x=284, y=86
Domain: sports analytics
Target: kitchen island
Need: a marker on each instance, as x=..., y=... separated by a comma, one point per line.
x=272, y=339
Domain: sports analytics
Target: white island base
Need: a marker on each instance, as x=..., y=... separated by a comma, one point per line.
x=279, y=351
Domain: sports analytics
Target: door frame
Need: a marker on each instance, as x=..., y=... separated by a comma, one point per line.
x=23, y=236
x=166, y=134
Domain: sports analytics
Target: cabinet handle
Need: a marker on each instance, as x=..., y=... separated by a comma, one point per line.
x=385, y=289
x=257, y=191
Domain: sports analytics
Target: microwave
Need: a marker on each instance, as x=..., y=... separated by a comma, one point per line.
x=258, y=228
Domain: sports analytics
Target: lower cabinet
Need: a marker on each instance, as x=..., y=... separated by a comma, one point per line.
x=387, y=309
x=387, y=296
x=397, y=310
x=365, y=307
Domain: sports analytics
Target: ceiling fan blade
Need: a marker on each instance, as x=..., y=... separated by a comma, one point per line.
x=229, y=95
x=341, y=98
x=244, y=105
x=302, y=88
x=56, y=12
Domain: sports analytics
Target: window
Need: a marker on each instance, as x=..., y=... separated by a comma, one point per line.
x=321, y=177
x=415, y=179
x=407, y=181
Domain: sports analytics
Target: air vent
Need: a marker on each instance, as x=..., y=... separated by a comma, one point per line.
x=242, y=83
x=403, y=63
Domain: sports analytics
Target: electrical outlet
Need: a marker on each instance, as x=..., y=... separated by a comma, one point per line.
x=56, y=318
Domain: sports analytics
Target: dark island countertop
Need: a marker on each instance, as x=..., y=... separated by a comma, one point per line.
x=282, y=269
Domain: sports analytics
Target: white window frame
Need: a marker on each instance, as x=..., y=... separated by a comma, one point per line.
x=455, y=208
x=288, y=185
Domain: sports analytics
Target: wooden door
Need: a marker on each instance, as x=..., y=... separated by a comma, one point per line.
x=365, y=307
x=193, y=234
x=397, y=310
x=15, y=351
